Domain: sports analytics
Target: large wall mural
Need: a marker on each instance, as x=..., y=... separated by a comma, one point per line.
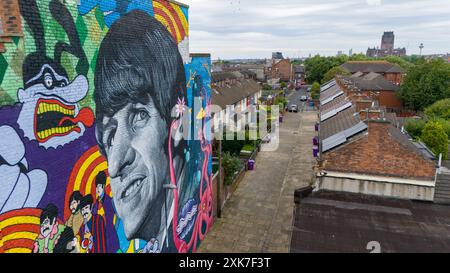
x=104, y=123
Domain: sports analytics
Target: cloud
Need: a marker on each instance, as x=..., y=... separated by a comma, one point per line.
x=374, y=2
x=255, y=28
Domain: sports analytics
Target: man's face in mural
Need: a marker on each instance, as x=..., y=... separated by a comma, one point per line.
x=47, y=226
x=134, y=139
x=99, y=190
x=86, y=211
x=74, y=205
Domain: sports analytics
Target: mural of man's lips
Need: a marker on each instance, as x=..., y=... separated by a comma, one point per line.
x=54, y=118
x=133, y=187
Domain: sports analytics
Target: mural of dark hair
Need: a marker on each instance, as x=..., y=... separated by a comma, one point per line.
x=63, y=17
x=75, y=196
x=50, y=212
x=86, y=200
x=100, y=179
x=130, y=72
x=66, y=237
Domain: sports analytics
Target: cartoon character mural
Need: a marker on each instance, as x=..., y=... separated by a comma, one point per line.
x=95, y=183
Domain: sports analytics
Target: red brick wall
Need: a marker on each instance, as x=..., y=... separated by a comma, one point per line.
x=379, y=154
x=390, y=100
x=282, y=70
x=396, y=78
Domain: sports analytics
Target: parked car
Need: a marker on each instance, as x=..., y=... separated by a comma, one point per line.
x=293, y=108
x=303, y=98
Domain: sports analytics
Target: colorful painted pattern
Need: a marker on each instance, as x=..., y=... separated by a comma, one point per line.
x=51, y=165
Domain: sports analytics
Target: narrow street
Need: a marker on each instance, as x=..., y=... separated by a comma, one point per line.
x=258, y=217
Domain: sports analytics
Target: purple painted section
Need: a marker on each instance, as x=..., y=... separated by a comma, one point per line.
x=57, y=163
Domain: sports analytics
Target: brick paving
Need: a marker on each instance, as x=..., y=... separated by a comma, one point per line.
x=258, y=217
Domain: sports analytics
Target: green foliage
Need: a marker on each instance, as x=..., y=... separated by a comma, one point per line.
x=315, y=87
x=415, y=127
x=249, y=147
x=281, y=102
x=425, y=84
x=283, y=85
x=267, y=87
x=435, y=138
x=232, y=146
x=315, y=91
x=317, y=66
x=231, y=165
x=402, y=62
x=337, y=70
x=445, y=123
x=440, y=109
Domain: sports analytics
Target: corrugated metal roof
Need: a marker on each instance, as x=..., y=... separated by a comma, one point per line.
x=341, y=137
x=327, y=85
x=333, y=112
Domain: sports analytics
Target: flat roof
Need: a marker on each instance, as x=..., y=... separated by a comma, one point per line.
x=337, y=222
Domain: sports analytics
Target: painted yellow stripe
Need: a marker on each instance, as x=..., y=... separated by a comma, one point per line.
x=19, y=220
x=103, y=166
x=83, y=168
x=174, y=23
x=20, y=235
x=163, y=21
x=183, y=19
x=18, y=250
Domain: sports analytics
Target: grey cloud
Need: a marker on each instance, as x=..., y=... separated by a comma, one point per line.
x=255, y=28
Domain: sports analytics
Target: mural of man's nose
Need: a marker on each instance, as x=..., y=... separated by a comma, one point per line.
x=121, y=154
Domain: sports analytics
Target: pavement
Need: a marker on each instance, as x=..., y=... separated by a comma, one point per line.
x=258, y=218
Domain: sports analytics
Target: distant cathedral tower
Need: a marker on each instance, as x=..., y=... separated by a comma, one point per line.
x=387, y=41
x=387, y=47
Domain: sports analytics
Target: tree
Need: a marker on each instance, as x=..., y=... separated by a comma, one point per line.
x=425, y=84
x=404, y=64
x=414, y=127
x=337, y=70
x=315, y=90
x=317, y=66
x=435, y=138
x=440, y=109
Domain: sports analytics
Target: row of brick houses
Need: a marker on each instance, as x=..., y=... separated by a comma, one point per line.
x=362, y=150
x=370, y=174
x=235, y=91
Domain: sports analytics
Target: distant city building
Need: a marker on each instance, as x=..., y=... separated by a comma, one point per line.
x=278, y=68
x=340, y=53
x=387, y=47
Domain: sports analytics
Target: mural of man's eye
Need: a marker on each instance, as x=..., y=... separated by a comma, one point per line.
x=142, y=115
x=48, y=80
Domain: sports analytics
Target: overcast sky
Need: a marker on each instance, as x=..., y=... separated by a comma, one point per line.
x=255, y=28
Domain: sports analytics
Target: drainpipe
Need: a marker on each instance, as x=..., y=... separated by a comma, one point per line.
x=219, y=182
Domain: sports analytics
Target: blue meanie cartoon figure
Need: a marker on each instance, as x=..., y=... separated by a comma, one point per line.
x=114, y=9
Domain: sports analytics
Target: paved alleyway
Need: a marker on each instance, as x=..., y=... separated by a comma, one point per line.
x=258, y=217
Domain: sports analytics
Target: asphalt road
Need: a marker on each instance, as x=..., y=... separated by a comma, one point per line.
x=294, y=98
